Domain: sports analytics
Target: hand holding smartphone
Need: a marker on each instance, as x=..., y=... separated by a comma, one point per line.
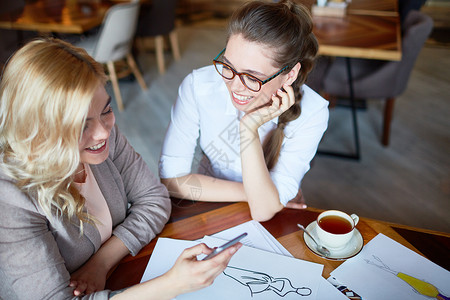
x=225, y=246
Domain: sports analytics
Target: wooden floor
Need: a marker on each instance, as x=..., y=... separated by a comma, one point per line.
x=407, y=182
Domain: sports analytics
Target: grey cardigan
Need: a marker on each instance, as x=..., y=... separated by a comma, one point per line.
x=37, y=255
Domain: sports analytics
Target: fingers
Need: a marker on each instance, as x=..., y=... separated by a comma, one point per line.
x=80, y=288
x=296, y=205
x=224, y=257
x=282, y=100
x=228, y=253
x=192, y=252
x=290, y=91
x=287, y=97
x=191, y=274
x=217, y=264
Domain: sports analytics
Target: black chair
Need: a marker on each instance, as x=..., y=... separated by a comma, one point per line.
x=10, y=39
x=12, y=7
x=157, y=20
x=405, y=6
x=376, y=79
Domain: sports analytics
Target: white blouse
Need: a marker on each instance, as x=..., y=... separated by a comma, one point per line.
x=204, y=112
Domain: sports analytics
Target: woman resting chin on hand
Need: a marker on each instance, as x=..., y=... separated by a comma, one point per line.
x=257, y=123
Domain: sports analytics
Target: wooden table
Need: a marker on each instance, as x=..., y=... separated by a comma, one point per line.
x=192, y=220
x=359, y=36
x=60, y=16
x=370, y=30
x=375, y=8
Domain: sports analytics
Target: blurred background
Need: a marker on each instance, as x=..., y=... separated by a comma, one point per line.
x=406, y=182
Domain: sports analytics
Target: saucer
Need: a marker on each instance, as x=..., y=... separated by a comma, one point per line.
x=353, y=247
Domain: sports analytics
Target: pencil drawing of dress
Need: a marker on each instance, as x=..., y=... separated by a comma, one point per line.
x=259, y=282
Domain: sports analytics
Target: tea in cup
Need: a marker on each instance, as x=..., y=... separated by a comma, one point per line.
x=335, y=228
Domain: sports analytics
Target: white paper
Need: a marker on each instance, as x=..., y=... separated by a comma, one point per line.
x=167, y=253
x=270, y=271
x=328, y=292
x=271, y=239
x=258, y=237
x=374, y=273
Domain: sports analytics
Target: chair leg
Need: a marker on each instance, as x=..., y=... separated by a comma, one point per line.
x=136, y=72
x=159, y=43
x=115, y=84
x=388, y=111
x=174, y=45
x=139, y=44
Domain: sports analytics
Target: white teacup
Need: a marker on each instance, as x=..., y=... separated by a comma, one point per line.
x=335, y=228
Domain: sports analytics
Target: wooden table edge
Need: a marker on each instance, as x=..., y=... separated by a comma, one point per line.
x=354, y=52
x=237, y=213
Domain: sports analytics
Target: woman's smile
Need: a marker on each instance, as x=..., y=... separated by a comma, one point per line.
x=94, y=144
x=97, y=148
x=241, y=99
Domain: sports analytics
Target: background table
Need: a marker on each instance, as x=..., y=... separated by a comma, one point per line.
x=359, y=36
x=61, y=16
x=369, y=30
x=371, y=7
x=192, y=220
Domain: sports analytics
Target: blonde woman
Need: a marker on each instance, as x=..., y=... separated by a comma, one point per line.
x=256, y=122
x=75, y=197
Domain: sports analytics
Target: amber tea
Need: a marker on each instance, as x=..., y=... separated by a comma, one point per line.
x=335, y=224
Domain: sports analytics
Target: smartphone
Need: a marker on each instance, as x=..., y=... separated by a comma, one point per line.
x=225, y=246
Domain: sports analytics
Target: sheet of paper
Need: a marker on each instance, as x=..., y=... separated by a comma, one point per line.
x=271, y=239
x=345, y=290
x=164, y=256
x=258, y=237
x=251, y=273
x=328, y=292
x=386, y=269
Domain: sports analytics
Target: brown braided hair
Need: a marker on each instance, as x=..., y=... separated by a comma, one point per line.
x=287, y=28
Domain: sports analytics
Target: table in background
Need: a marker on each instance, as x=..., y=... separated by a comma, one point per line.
x=59, y=16
x=359, y=36
x=370, y=30
x=193, y=220
x=371, y=7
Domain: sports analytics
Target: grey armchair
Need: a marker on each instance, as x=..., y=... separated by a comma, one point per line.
x=377, y=79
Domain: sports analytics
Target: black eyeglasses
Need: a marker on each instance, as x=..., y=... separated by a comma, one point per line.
x=251, y=82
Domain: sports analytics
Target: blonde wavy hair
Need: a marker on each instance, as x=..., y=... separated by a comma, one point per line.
x=45, y=92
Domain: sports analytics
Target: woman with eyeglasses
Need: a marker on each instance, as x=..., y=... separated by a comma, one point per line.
x=257, y=124
x=75, y=197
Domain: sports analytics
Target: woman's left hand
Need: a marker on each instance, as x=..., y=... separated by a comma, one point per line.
x=88, y=279
x=281, y=102
x=91, y=277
